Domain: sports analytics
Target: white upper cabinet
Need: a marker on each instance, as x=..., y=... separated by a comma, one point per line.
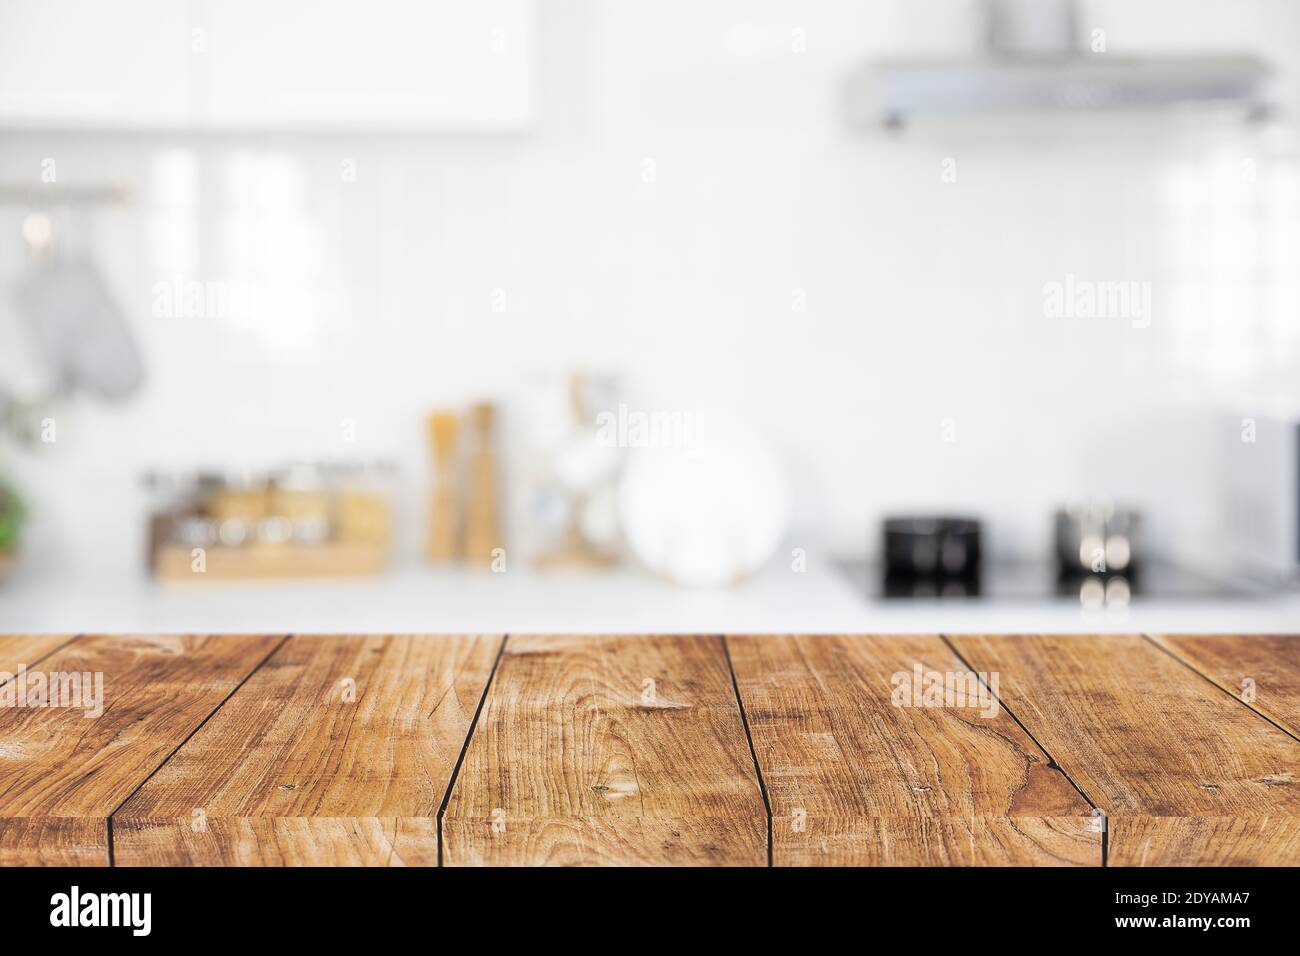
x=369, y=63
x=68, y=64
x=328, y=65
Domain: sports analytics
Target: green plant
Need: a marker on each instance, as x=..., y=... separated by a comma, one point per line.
x=11, y=517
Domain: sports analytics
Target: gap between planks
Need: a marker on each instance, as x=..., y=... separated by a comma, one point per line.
x=54, y=649
x=749, y=738
x=554, y=679
x=1145, y=736
x=390, y=757
x=1191, y=666
x=260, y=664
x=1053, y=762
x=469, y=735
x=894, y=786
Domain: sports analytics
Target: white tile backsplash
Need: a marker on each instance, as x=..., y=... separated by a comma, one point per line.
x=691, y=211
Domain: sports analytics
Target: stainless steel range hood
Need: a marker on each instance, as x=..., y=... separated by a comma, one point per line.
x=1036, y=62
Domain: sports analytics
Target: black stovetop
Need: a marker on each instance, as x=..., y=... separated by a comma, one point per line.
x=1038, y=581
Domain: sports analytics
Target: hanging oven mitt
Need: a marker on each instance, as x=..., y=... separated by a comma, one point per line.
x=78, y=326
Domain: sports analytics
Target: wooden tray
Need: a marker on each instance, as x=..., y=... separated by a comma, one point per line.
x=332, y=560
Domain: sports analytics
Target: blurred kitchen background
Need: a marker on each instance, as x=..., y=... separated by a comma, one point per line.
x=550, y=314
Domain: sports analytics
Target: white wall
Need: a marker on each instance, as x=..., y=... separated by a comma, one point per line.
x=924, y=298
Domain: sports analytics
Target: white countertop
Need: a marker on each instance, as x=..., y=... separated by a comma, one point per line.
x=426, y=600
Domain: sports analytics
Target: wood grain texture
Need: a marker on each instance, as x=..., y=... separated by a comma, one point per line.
x=1270, y=663
x=855, y=780
x=1187, y=775
x=578, y=759
x=339, y=750
x=278, y=841
x=1139, y=840
x=53, y=841
x=64, y=773
x=26, y=650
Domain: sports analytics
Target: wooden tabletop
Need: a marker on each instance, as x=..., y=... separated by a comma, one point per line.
x=1084, y=750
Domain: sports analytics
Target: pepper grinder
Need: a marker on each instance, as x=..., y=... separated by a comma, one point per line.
x=482, y=525
x=443, y=430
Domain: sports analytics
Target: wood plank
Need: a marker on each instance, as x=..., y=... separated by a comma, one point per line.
x=26, y=650
x=579, y=759
x=277, y=841
x=856, y=780
x=1262, y=671
x=338, y=751
x=65, y=772
x=1187, y=775
x=53, y=841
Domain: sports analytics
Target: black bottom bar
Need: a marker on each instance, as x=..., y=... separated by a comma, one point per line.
x=648, y=909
